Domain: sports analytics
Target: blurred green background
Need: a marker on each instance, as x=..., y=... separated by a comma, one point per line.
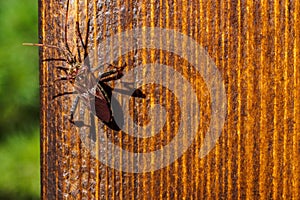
x=19, y=101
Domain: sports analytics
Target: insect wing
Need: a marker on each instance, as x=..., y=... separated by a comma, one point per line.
x=102, y=103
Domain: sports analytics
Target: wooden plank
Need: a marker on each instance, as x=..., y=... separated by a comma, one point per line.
x=255, y=48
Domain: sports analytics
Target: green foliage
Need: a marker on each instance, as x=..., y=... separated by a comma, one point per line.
x=20, y=167
x=19, y=102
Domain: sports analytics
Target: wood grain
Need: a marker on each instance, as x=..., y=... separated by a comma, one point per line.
x=256, y=48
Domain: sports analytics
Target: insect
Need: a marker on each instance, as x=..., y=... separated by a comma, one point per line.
x=86, y=85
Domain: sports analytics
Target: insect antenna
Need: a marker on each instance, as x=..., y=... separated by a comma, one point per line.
x=66, y=53
x=66, y=33
x=43, y=45
x=78, y=51
x=79, y=35
x=87, y=38
x=84, y=44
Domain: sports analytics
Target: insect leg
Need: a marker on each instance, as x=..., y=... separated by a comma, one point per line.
x=106, y=74
x=62, y=68
x=117, y=72
x=81, y=113
x=73, y=108
x=54, y=59
x=110, y=76
x=61, y=78
x=63, y=94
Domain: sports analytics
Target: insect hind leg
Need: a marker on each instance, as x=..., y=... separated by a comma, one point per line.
x=72, y=112
x=73, y=108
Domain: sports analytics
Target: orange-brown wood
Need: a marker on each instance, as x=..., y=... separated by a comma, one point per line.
x=255, y=46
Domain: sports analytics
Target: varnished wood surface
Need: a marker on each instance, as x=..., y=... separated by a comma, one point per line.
x=256, y=48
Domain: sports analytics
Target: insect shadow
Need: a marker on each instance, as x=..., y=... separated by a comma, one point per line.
x=86, y=86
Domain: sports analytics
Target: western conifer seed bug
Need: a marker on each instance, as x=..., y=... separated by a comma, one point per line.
x=79, y=74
